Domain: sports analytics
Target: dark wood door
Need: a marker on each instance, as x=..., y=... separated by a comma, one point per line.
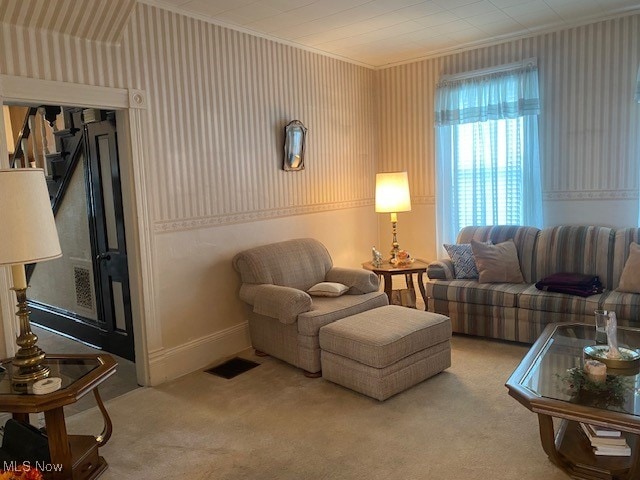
x=107, y=233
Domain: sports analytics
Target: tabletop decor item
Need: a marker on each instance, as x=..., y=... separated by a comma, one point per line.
x=28, y=235
x=596, y=371
x=376, y=257
x=596, y=393
x=403, y=259
x=613, y=356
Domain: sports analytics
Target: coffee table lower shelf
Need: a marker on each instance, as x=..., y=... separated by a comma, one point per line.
x=572, y=451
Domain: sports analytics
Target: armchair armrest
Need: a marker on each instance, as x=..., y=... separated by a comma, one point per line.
x=283, y=303
x=358, y=280
x=441, y=270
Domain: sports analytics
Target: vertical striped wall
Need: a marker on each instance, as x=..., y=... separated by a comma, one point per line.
x=589, y=126
x=49, y=55
x=100, y=20
x=218, y=103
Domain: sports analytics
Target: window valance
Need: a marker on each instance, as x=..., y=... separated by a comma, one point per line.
x=505, y=94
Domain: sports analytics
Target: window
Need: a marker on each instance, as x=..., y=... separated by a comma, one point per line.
x=487, y=152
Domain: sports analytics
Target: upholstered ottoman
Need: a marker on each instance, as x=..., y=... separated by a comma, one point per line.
x=386, y=350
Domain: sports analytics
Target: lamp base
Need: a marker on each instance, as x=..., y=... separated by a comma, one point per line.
x=395, y=247
x=30, y=376
x=29, y=357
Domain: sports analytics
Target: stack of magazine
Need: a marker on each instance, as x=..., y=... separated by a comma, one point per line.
x=606, y=441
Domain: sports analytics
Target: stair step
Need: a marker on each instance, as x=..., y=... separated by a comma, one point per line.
x=66, y=133
x=57, y=156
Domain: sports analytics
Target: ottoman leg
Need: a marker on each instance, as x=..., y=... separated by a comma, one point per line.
x=312, y=374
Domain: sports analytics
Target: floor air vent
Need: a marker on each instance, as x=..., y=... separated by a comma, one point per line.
x=232, y=368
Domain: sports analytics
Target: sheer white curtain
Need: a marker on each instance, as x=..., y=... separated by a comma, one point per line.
x=638, y=100
x=487, y=156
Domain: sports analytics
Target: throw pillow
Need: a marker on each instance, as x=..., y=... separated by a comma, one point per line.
x=464, y=266
x=630, y=279
x=497, y=263
x=327, y=289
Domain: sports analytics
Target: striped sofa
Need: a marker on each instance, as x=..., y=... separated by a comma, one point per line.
x=520, y=312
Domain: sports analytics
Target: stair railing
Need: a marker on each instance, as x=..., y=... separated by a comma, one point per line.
x=22, y=151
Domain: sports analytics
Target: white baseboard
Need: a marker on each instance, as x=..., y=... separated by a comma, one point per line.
x=169, y=363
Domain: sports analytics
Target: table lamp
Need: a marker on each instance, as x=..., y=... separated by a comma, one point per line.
x=392, y=196
x=27, y=235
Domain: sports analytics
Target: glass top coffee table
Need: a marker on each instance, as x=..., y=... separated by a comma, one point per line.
x=541, y=383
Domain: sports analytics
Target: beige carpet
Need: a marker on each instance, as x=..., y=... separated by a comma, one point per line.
x=273, y=423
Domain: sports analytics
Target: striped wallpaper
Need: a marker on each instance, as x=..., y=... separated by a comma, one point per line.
x=219, y=99
x=589, y=123
x=100, y=20
x=218, y=103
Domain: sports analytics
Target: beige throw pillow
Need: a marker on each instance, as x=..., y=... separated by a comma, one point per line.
x=327, y=289
x=497, y=263
x=630, y=279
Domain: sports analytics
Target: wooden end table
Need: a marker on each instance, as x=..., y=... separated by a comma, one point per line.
x=77, y=455
x=387, y=271
x=537, y=383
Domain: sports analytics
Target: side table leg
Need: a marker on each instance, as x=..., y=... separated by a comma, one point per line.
x=59, y=448
x=388, y=285
x=104, y=437
x=423, y=292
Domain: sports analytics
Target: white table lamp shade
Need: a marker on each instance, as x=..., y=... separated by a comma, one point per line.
x=392, y=192
x=27, y=228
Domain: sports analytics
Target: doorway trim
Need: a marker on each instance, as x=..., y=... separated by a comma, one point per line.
x=130, y=104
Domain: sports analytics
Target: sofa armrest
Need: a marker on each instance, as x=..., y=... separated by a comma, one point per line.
x=283, y=303
x=358, y=280
x=441, y=270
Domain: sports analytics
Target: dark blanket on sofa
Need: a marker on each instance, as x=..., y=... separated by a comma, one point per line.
x=571, y=283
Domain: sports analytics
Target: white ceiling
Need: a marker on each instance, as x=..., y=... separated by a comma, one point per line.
x=383, y=32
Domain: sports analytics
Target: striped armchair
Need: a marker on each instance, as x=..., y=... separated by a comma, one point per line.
x=284, y=320
x=520, y=312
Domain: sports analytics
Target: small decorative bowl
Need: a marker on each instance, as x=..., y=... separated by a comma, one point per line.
x=630, y=359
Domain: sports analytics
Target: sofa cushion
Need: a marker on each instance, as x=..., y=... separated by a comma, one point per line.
x=576, y=249
x=471, y=291
x=623, y=239
x=497, y=263
x=525, y=239
x=326, y=310
x=630, y=279
x=299, y=263
x=626, y=305
x=534, y=299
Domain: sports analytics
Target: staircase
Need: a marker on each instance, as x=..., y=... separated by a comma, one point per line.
x=60, y=164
